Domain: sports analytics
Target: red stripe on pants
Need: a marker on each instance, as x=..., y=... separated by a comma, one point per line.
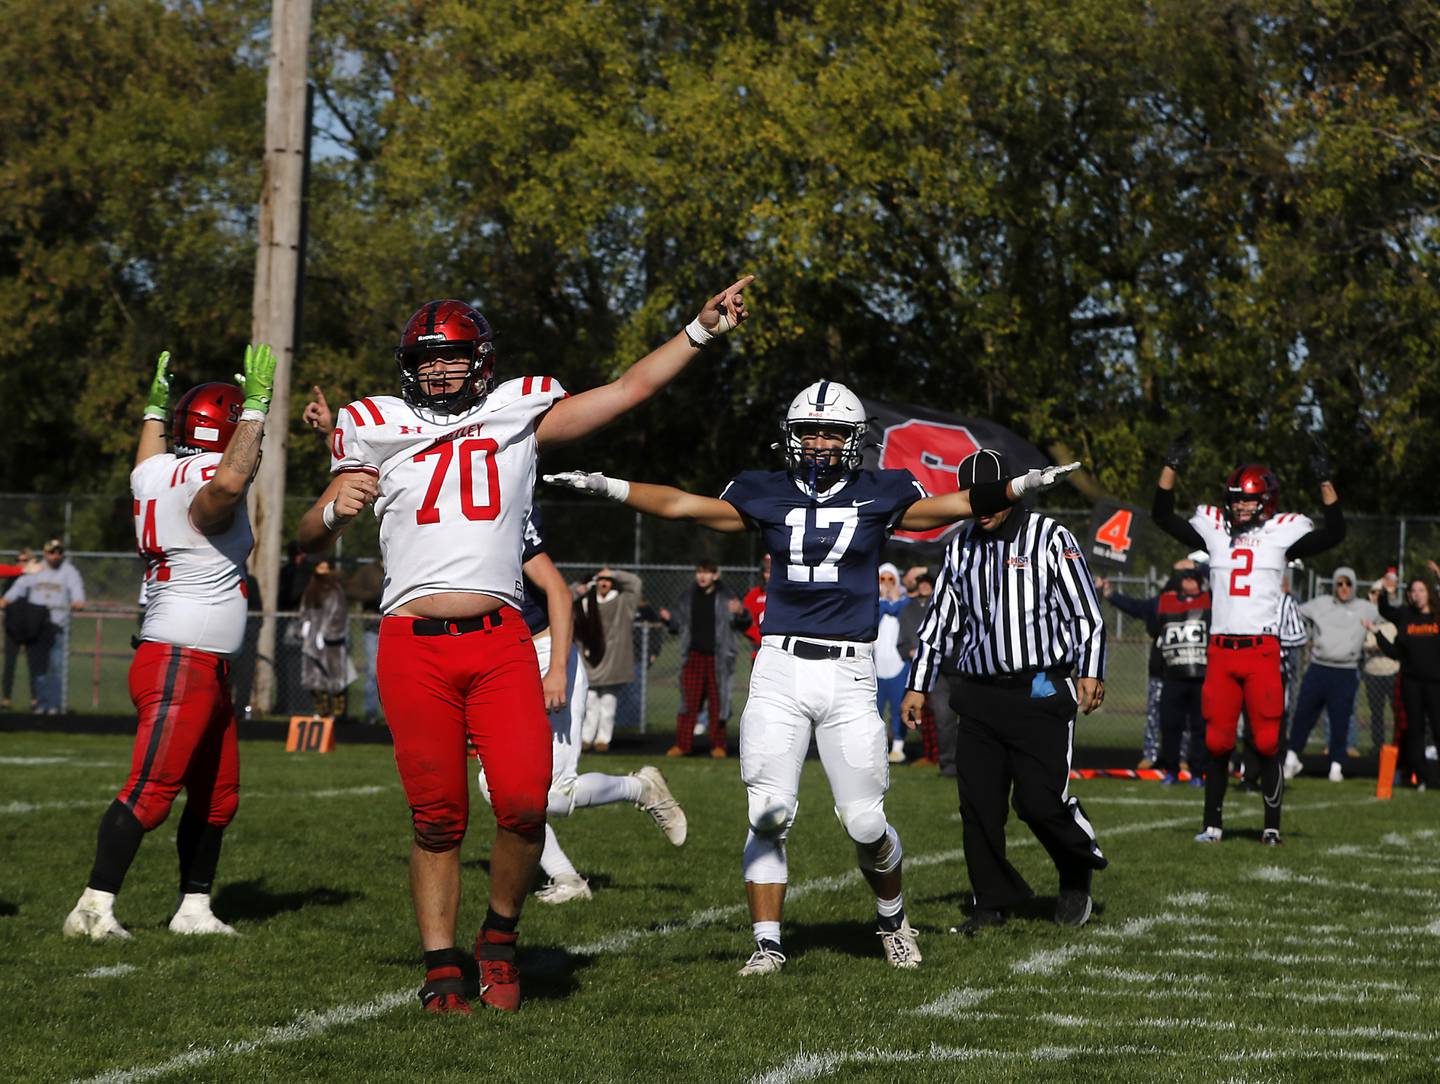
x=697, y=688
x=439, y=691
x=185, y=737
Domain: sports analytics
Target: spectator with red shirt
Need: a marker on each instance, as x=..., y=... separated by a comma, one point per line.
x=754, y=603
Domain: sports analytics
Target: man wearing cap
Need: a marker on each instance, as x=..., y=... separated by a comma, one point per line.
x=1015, y=605
x=57, y=586
x=1338, y=621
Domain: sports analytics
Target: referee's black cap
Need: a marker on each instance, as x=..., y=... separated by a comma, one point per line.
x=986, y=465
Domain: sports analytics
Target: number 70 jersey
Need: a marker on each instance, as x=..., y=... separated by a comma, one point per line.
x=454, y=494
x=1247, y=570
x=825, y=550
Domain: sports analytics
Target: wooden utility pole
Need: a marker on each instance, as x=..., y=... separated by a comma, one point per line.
x=277, y=280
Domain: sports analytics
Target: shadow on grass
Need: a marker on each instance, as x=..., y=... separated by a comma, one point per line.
x=7, y=909
x=252, y=900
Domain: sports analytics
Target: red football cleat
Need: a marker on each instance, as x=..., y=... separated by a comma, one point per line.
x=446, y=1005
x=448, y=983
x=499, y=977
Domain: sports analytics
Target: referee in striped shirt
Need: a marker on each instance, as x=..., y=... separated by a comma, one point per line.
x=1015, y=610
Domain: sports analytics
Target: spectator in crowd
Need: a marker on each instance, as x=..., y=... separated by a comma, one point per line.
x=325, y=670
x=919, y=588
x=613, y=602
x=891, y=668
x=365, y=586
x=294, y=578
x=25, y=562
x=242, y=663
x=1417, y=645
x=57, y=586
x=1379, y=671
x=937, y=700
x=1332, y=679
x=754, y=603
x=703, y=619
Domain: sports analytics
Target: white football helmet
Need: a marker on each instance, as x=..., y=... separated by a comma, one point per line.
x=834, y=406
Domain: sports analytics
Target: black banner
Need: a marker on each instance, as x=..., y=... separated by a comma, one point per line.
x=1114, y=531
x=930, y=444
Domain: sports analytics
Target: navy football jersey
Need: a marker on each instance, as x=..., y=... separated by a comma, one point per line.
x=536, y=612
x=825, y=550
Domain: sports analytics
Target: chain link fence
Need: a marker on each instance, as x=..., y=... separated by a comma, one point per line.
x=100, y=636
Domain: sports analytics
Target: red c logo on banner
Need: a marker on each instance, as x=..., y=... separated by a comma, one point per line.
x=931, y=451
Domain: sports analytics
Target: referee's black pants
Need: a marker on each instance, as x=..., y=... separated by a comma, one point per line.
x=1007, y=737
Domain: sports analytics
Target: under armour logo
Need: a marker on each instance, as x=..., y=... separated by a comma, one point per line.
x=411, y=429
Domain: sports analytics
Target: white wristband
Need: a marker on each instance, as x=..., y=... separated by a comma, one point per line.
x=252, y=415
x=697, y=334
x=1021, y=483
x=617, y=489
x=154, y=416
x=327, y=516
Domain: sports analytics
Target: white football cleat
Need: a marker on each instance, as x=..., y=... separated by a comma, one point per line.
x=1210, y=835
x=1293, y=767
x=194, y=916
x=563, y=889
x=902, y=946
x=764, y=960
x=656, y=799
x=94, y=917
x=1337, y=775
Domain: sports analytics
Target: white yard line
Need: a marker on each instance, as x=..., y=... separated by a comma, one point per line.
x=309, y=1025
x=109, y=972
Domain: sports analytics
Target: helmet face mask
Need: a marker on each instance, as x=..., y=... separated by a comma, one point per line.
x=831, y=418
x=205, y=418
x=1251, y=495
x=446, y=331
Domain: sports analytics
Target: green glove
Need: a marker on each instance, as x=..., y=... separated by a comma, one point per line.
x=158, y=404
x=259, y=378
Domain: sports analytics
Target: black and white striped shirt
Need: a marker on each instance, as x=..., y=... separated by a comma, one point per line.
x=1293, y=632
x=1015, y=599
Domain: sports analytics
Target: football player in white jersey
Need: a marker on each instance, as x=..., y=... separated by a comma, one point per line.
x=1250, y=544
x=823, y=521
x=192, y=530
x=450, y=467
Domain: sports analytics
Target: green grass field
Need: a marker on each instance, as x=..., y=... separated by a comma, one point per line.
x=1320, y=961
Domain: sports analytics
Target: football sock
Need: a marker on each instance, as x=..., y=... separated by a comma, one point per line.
x=119, y=839
x=553, y=860
x=198, y=844
x=499, y=923
x=891, y=913
x=596, y=788
x=766, y=931
x=1217, y=778
x=1272, y=787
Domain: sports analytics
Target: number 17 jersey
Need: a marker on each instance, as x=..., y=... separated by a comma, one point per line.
x=824, y=550
x=454, y=494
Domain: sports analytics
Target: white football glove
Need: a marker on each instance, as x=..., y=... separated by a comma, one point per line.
x=1041, y=480
x=617, y=489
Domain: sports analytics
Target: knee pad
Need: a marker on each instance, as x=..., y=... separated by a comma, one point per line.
x=771, y=815
x=882, y=856
x=223, y=808
x=561, y=801
x=435, y=836
x=764, y=861
x=522, y=817
x=864, y=821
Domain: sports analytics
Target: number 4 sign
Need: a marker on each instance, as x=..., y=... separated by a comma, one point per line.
x=1114, y=530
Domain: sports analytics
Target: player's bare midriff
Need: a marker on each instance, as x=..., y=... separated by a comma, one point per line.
x=449, y=604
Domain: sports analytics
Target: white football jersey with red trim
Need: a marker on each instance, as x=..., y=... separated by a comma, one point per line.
x=1247, y=570
x=194, y=583
x=453, y=495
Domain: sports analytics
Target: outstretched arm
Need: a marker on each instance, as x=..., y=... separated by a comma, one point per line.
x=152, y=427
x=214, y=506
x=666, y=502
x=984, y=499
x=582, y=414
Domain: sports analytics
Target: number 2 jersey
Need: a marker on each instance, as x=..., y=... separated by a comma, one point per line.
x=454, y=494
x=194, y=582
x=824, y=550
x=1247, y=570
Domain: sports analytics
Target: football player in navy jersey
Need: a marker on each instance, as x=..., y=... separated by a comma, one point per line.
x=824, y=521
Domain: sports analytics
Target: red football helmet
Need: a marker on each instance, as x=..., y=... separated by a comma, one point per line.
x=205, y=418
x=449, y=328
x=1252, y=482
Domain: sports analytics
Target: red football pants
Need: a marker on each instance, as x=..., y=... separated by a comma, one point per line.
x=484, y=687
x=1248, y=678
x=185, y=738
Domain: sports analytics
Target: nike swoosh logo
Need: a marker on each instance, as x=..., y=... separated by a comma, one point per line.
x=858, y=504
